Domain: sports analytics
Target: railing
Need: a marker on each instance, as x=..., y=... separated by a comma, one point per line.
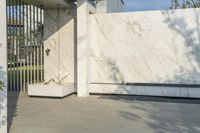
x=25, y=45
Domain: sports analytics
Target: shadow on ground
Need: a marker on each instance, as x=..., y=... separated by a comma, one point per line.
x=12, y=107
x=164, y=114
x=153, y=99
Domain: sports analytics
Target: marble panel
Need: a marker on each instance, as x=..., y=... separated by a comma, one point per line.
x=145, y=47
x=59, y=45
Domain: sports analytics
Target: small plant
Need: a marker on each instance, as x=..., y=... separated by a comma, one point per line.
x=1, y=85
x=59, y=82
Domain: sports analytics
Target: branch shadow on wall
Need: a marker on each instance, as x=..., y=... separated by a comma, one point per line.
x=3, y=98
x=182, y=75
x=158, y=108
x=191, y=36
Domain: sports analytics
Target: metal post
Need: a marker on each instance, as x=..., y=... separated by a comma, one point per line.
x=42, y=46
x=37, y=67
x=24, y=46
x=13, y=53
x=20, y=45
x=34, y=46
x=31, y=45
x=8, y=39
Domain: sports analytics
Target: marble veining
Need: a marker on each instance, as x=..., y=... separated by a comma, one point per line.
x=145, y=47
x=59, y=45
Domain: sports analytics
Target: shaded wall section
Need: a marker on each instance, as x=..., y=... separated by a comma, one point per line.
x=156, y=47
x=3, y=68
x=59, y=48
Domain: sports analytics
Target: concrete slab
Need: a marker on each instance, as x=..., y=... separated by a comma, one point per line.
x=102, y=114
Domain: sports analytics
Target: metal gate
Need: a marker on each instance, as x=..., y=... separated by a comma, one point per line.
x=25, y=45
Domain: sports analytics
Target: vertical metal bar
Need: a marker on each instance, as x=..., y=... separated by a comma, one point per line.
x=20, y=45
x=12, y=46
x=24, y=45
x=40, y=43
x=38, y=46
x=13, y=52
x=18, y=48
x=31, y=45
x=34, y=45
x=42, y=46
x=42, y=16
x=27, y=44
x=11, y=32
x=40, y=21
x=17, y=45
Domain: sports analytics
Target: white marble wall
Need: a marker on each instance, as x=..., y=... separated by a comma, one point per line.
x=59, y=40
x=83, y=47
x=145, y=47
x=3, y=67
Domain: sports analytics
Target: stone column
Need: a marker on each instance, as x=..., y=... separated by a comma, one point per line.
x=83, y=11
x=3, y=67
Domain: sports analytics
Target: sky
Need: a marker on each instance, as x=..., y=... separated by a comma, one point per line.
x=145, y=5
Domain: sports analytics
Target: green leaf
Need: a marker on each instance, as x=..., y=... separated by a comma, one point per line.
x=1, y=85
